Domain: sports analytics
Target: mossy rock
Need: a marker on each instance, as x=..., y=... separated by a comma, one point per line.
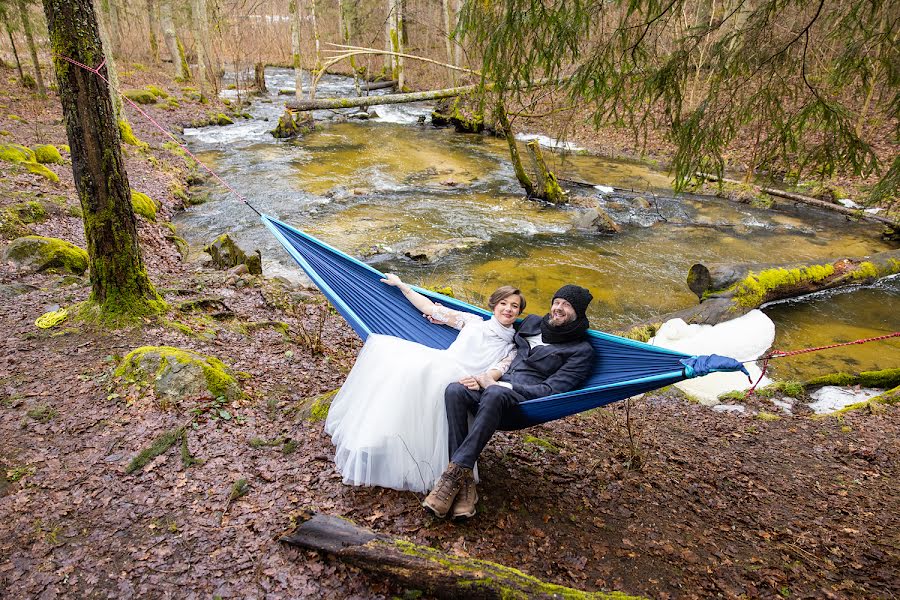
x=156, y=91
x=16, y=153
x=128, y=136
x=290, y=126
x=143, y=205
x=176, y=373
x=315, y=408
x=48, y=154
x=39, y=169
x=461, y=112
x=37, y=253
x=222, y=119
x=226, y=254
x=14, y=219
x=140, y=96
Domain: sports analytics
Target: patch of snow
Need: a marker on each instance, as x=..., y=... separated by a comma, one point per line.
x=729, y=408
x=604, y=189
x=848, y=203
x=784, y=406
x=745, y=338
x=830, y=398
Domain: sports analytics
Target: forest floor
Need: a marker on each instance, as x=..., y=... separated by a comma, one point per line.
x=703, y=504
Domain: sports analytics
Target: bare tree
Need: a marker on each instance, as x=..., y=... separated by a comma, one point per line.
x=12, y=42
x=153, y=25
x=32, y=47
x=176, y=49
x=296, y=19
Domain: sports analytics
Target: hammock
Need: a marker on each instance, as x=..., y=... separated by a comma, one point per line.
x=623, y=367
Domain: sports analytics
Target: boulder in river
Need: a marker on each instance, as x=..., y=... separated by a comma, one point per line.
x=431, y=252
x=596, y=219
x=225, y=254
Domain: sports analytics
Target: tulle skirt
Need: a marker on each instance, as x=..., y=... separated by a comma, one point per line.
x=388, y=422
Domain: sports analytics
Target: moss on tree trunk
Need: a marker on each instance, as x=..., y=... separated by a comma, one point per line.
x=119, y=283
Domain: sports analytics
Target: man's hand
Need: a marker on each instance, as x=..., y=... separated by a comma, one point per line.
x=485, y=380
x=470, y=382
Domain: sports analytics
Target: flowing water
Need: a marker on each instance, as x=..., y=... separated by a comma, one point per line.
x=390, y=185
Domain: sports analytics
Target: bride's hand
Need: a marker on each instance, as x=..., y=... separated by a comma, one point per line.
x=392, y=280
x=470, y=383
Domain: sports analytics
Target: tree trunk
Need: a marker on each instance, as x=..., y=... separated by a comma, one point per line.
x=445, y=11
x=201, y=43
x=315, y=26
x=32, y=47
x=176, y=49
x=114, y=27
x=331, y=103
x=6, y=21
x=457, y=40
x=120, y=287
x=548, y=187
x=422, y=567
x=113, y=76
x=153, y=25
x=729, y=291
x=259, y=78
x=521, y=175
x=388, y=45
x=296, y=20
x=344, y=22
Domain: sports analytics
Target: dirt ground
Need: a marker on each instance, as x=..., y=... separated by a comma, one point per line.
x=702, y=505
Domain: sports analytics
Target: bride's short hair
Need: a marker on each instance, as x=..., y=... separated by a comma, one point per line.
x=504, y=292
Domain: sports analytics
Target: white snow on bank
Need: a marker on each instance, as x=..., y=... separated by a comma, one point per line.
x=744, y=338
x=829, y=399
x=604, y=189
x=549, y=142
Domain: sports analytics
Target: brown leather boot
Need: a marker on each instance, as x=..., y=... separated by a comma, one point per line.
x=464, y=505
x=445, y=490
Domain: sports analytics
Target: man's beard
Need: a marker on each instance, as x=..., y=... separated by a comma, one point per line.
x=558, y=321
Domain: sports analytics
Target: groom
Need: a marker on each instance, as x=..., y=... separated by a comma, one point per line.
x=553, y=356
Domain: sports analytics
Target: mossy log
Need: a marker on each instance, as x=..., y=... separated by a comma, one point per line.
x=377, y=85
x=850, y=212
x=424, y=568
x=716, y=279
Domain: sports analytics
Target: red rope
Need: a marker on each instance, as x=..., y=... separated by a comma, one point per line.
x=96, y=71
x=779, y=354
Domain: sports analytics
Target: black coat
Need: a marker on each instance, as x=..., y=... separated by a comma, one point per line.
x=549, y=369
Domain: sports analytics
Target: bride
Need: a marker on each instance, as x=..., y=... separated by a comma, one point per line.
x=388, y=422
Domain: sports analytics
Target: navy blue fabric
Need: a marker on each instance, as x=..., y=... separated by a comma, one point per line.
x=699, y=366
x=622, y=367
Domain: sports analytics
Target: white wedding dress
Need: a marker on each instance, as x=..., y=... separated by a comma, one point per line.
x=388, y=422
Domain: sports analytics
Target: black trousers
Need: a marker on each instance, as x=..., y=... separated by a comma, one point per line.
x=466, y=443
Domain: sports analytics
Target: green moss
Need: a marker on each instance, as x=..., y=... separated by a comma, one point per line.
x=794, y=389
x=143, y=205
x=159, y=446
x=755, y=289
x=641, y=333
x=219, y=380
x=16, y=118
x=48, y=254
x=507, y=581
x=865, y=270
x=223, y=119
x=16, y=153
x=172, y=103
x=884, y=379
x=541, y=443
x=767, y=416
x=732, y=396
x=128, y=136
x=4, y=133
x=156, y=91
x=140, y=96
x=48, y=154
x=318, y=410
x=65, y=148
x=888, y=398
x=39, y=169
x=42, y=413
x=177, y=150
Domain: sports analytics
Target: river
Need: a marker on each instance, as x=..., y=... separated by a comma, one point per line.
x=389, y=185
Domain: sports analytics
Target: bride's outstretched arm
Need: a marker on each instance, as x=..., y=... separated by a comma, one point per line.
x=415, y=298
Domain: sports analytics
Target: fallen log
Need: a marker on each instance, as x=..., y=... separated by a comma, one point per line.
x=377, y=85
x=424, y=568
x=334, y=103
x=851, y=212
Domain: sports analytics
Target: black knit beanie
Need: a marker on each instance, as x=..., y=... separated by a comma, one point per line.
x=577, y=296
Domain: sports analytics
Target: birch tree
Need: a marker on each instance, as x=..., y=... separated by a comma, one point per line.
x=296, y=19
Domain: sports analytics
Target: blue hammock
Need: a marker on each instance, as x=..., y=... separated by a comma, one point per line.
x=623, y=367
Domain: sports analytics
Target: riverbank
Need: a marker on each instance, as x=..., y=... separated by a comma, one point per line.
x=760, y=504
